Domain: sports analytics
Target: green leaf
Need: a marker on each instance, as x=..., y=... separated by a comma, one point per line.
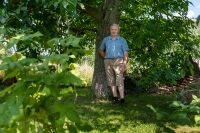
x=28, y=61
x=173, y=116
x=19, y=87
x=194, y=109
x=46, y=91
x=72, y=79
x=54, y=90
x=51, y=42
x=160, y=115
x=47, y=80
x=11, y=65
x=152, y=108
x=30, y=36
x=84, y=127
x=2, y=51
x=3, y=66
x=56, y=4
x=197, y=119
x=11, y=43
x=65, y=4
x=66, y=90
x=72, y=115
x=195, y=97
x=1, y=131
x=61, y=121
x=59, y=108
x=14, y=110
x=3, y=92
x=74, y=41
x=184, y=121
x=26, y=100
x=70, y=105
x=72, y=56
x=3, y=108
x=10, y=100
x=176, y=104
x=21, y=68
x=23, y=8
x=32, y=78
x=72, y=129
x=11, y=74
x=5, y=118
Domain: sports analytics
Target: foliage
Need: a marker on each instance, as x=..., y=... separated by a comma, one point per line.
x=35, y=99
x=160, y=41
x=182, y=114
x=43, y=60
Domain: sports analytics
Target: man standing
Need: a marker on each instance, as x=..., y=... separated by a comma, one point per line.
x=114, y=50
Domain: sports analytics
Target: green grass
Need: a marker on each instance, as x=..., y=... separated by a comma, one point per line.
x=135, y=118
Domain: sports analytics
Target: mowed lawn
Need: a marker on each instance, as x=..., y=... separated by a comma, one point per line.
x=135, y=118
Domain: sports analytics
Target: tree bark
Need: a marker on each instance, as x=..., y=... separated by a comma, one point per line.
x=110, y=15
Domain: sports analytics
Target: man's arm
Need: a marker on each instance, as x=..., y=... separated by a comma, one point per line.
x=102, y=53
x=123, y=66
x=125, y=57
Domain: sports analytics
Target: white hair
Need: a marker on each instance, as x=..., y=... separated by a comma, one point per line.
x=115, y=25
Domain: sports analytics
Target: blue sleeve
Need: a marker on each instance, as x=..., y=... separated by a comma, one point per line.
x=103, y=46
x=125, y=46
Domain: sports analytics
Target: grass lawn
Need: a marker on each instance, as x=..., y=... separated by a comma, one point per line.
x=135, y=118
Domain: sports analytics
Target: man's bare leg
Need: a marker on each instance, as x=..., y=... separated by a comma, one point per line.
x=121, y=91
x=114, y=91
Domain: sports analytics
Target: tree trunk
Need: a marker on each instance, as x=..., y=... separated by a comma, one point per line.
x=110, y=15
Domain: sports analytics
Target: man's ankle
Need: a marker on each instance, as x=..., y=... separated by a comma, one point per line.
x=115, y=98
x=122, y=100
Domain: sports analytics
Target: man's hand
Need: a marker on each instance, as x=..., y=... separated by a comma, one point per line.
x=122, y=68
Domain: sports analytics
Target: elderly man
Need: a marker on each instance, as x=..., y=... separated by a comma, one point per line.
x=114, y=50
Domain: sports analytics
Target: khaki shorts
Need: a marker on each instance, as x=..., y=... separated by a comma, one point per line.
x=113, y=75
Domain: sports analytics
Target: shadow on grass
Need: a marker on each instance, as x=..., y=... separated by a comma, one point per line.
x=136, y=117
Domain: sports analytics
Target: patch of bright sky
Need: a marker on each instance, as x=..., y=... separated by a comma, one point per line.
x=194, y=10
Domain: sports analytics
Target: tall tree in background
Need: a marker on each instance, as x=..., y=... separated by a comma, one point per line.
x=105, y=16
x=160, y=41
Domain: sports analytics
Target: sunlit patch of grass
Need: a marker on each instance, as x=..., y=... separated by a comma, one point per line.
x=86, y=72
x=187, y=129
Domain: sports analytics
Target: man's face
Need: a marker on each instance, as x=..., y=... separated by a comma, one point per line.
x=114, y=30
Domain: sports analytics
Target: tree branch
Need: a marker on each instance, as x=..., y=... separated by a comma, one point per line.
x=81, y=31
x=93, y=12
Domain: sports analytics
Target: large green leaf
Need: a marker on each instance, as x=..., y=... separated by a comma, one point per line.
x=59, y=108
x=194, y=109
x=84, y=126
x=66, y=91
x=19, y=87
x=14, y=110
x=184, y=121
x=1, y=130
x=12, y=42
x=72, y=115
x=53, y=89
x=11, y=74
x=176, y=104
x=3, y=108
x=7, y=89
x=72, y=129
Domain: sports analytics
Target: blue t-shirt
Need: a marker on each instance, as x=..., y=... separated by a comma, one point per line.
x=114, y=48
